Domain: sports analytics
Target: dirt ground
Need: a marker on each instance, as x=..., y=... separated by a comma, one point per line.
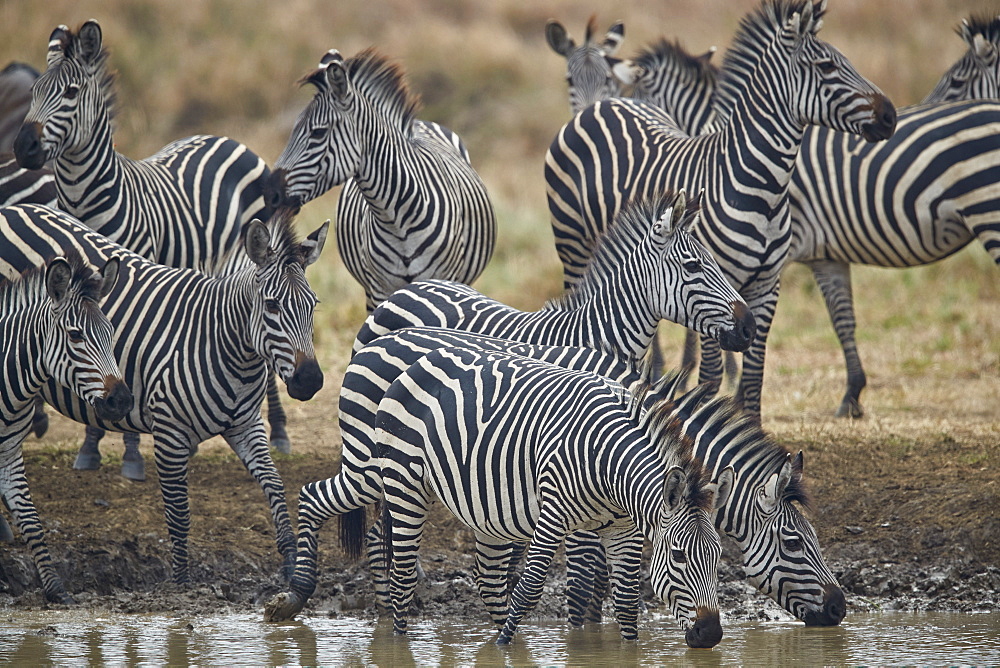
x=908, y=519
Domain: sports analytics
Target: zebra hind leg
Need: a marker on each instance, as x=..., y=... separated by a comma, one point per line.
x=133, y=465
x=277, y=419
x=834, y=279
x=89, y=456
x=492, y=566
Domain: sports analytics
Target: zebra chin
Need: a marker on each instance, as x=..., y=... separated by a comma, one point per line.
x=743, y=331
x=116, y=403
x=306, y=380
x=833, y=611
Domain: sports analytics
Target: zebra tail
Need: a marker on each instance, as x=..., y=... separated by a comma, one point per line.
x=352, y=532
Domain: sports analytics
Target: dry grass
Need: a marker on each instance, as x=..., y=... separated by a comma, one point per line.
x=483, y=68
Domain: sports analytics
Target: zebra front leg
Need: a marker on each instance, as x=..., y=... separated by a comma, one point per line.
x=276, y=418
x=834, y=279
x=133, y=465
x=549, y=534
x=249, y=442
x=710, y=369
x=752, y=379
x=492, y=565
x=39, y=418
x=89, y=456
x=624, y=557
x=171, y=452
x=584, y=558
x=17, y=499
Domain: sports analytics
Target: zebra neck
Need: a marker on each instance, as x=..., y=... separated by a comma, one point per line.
x=634, y=472
x=616, y=320
x=235, y=315
x=23, y=358
x=89, y=181
x=390, y=183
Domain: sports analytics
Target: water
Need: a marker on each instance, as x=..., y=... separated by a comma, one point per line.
x=70, y=637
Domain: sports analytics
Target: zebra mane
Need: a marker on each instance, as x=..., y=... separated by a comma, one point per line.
x=383, y=84
x=986, y=25
x=664, y=53
x=69, y=44
x=284, y=239
x=756, y=33
x=29, y=287
x=629, y=228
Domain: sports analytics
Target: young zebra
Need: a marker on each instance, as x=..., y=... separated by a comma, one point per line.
x=412, y=206
x=185, y=206
x=522, y=450
x=196, y=350
x=52, y=328
x=776, y=78
x=592, y=71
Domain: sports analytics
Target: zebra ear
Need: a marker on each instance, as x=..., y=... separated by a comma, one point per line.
x=109, y=276
x=707, y=56
x=724, y=487
x=680, y=207
x=58, y=42
x=674, y=488
x=626, y=71
x=613, y=39
x=558, y=39
x=257, y=242
x=313, y=245
x=774, y=488
x=336, y=79
x=89, y=40
x=57, y=277
x=985, y=50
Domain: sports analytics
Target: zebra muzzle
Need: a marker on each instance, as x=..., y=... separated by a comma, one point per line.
x=276, y=191
x=116, y=403
x=744, y=329
x=306, y=380
x=885, y=121
x=28, y=147
x=833, y=611
x=707, y=630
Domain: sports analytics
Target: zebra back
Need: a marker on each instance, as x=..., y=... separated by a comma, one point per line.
x=976, y=75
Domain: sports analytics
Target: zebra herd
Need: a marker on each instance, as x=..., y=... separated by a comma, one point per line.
x=166, y=295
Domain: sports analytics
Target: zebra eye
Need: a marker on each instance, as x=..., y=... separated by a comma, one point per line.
x=71, y=91
x=75, y=335
x=272, y=305
x=793, y=544
x=318, y=133
x=678, y=556
x=826, y=66
x=692, y=266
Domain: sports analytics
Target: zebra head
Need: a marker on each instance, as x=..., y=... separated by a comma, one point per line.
x=679, y=83
x=681, y=280
x=976, y=75
x=683, y=570
x=70, y=101
x=282, y=315
x=333, y=132
x=78, y=350
x=592, y=71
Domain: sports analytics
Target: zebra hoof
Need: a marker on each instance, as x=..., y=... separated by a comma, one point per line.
x=87, y=461
x=850, y=408
x=281, y=444
x=6, y=533
x=59, y=596
x=39, y=424
x=283, y=607
x=503, y=640
x=134, y=470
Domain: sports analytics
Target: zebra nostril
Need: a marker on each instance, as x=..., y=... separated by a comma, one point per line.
x=28, y=148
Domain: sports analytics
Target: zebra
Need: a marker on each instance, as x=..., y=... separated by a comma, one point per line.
x=522, y=450
x=779, y=547
x=776, y=77
x=412, y=206
x=976, y=75
x=196, y=350
x=185, y=206
x=592, y=71
x=52, y=327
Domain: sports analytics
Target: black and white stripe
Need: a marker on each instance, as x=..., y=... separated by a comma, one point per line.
x=592, y=71
x=412, y=206
x=976, y=75
x=52, y=328
x=195, y=350
x=521, y=450
x=776, y=78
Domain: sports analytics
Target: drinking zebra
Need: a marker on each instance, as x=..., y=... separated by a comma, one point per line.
x=185, y=206
x=52, y=328
x=196, y=350
x=522, y=450
x=776, y=77
x=592, y=71
x=412, y=206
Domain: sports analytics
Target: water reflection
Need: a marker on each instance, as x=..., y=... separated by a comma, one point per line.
x=71, y=637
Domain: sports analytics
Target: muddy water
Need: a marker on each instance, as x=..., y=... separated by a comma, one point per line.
x=60, y=637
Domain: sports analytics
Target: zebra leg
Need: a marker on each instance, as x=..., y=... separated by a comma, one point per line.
x=171, y=452
x=404, y=512
x=249, y=442
x=584, y=555
x=834, y=279
x=39, y=419
x=656, y=355
x=549, y=534
x=752, y=380
x=89, y=456
x=17, y=499
x=276, y=418
x=376, y=546
x=624, y=552
x=689, y=356
x=492, y=564
x=133, y=465
x=710, y=370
